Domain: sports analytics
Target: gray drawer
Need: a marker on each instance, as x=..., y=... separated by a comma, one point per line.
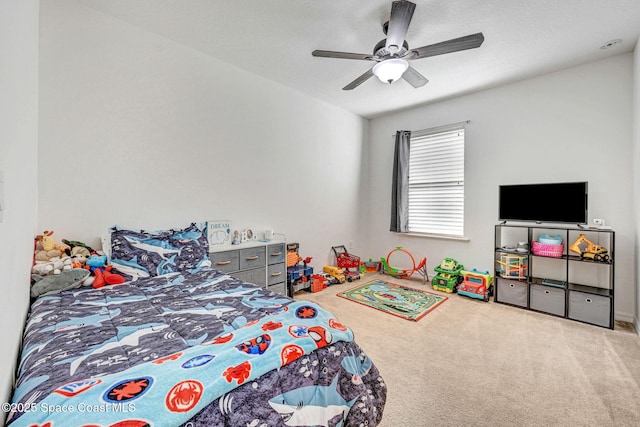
x=590, y=308
x=547, y=299
x=256, y=275
x=280, y=288
x=276, y=273
x=225, y=261
x=275, y=253
x=251, y=258
x=512, y=292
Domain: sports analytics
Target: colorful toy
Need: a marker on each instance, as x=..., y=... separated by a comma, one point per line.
x=476, y=284
x=371, y=266
x=318, y=282
x=298, y=276
x=421, y=268
x=448, y=277
x=97, y=265
x=346, y=261
x=46, y=248
x=513, y=266
x=336, y=272
x=589, y=250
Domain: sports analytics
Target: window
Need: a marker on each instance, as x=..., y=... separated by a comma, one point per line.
x=436, y=181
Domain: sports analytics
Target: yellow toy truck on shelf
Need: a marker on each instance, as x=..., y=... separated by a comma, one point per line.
x=513, y=266
x=589, y=250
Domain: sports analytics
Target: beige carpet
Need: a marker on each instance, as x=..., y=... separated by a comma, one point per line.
x=473, y=363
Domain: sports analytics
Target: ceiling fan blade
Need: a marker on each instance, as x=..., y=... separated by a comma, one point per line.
x=341, y=55
x=401, y=14
x=357, y=82
x=414, y=78
x=454, y=45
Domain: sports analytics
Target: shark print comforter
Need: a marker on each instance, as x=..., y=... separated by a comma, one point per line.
x=197, y=348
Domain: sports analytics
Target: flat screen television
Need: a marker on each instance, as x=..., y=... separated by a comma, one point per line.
x=564, y=202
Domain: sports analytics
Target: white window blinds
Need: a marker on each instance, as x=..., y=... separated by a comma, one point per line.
x=436, y=181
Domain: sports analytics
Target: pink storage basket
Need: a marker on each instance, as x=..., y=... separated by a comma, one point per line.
x=547, y=249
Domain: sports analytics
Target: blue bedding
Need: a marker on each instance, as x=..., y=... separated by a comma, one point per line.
x=196, y=348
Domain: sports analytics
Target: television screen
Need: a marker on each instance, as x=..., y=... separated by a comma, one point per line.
x=557, y=202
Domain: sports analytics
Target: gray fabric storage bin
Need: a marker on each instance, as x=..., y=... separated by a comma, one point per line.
x=257, y=276
x=512, y=292
x=280, y=288
x=590, y=308
x=547, y=299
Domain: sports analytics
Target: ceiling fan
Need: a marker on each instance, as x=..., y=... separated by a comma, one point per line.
x=392, y=54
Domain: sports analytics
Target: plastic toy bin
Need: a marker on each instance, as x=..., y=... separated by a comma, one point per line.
x=547, y=249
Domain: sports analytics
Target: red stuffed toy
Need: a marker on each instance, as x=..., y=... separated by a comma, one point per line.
x=103, y=275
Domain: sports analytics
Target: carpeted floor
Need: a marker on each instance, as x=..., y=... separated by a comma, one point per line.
x=473, y=363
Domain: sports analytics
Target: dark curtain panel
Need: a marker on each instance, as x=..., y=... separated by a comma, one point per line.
x=400, y=183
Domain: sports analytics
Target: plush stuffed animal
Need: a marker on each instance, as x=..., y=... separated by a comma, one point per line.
x=53, y=284
x=54, y=265
x=48, y=243
x=46, y=247
x=78, y=248
x=78, y=260
x=97, y=265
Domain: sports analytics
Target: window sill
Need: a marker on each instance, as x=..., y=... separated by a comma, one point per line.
x=434, y=236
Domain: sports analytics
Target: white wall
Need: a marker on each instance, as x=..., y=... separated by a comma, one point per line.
x=139, y=131
x=18, y=156
x=636, y=178
x=572, y=125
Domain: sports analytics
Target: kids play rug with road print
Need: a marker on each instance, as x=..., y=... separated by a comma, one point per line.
x=402, y=301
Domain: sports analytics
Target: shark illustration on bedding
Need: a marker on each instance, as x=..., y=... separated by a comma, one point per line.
x=83, y=344
x=312, y=405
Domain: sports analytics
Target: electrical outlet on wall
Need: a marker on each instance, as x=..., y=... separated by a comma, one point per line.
x=599, y=222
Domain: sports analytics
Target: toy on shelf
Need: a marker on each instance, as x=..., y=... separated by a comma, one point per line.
x=346, y=261
x=298, y=276
x=476, y=284
x=421, y=268
x=513, y=266
x=548, y=246
x=448, y=277
x=336, y=273
x=589, y=250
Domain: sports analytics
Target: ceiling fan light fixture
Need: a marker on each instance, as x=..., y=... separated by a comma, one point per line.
x=390, y=70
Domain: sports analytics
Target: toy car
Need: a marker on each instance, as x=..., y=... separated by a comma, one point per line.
x=448, y=277
x=335, y=272
x=476, y=284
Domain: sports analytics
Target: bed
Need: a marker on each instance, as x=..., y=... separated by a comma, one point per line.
x=188, y=347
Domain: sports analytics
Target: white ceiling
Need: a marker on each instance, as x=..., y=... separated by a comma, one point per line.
x=275, y=38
